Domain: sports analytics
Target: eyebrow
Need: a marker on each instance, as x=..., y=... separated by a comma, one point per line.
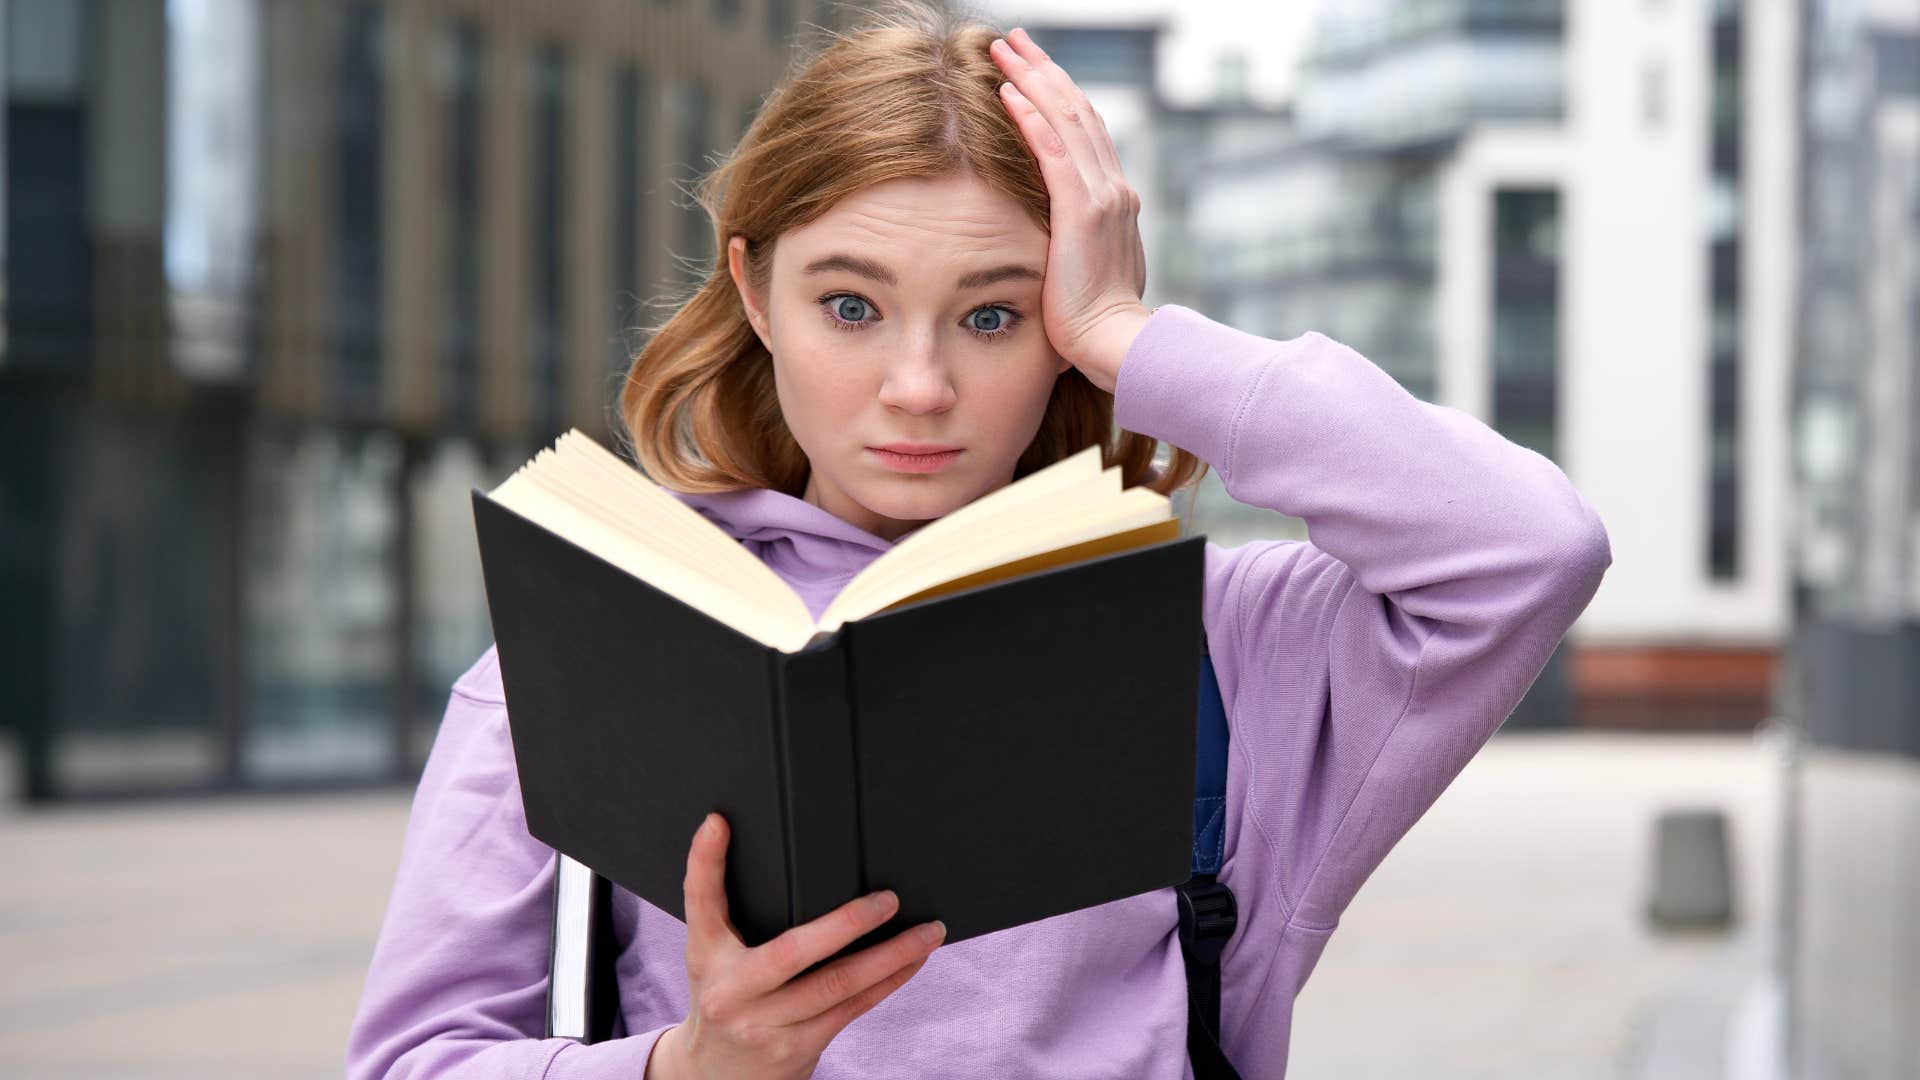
x=873, y=271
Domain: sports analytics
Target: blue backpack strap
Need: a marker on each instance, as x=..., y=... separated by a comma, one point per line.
x=1209, y=775
x=1208, y=913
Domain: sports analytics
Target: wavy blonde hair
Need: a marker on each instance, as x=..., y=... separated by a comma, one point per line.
x=910, y=92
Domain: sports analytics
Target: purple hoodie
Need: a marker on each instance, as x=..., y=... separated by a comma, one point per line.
x=1360, y=669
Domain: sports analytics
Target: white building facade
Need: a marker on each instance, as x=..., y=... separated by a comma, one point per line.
x=1575, y=220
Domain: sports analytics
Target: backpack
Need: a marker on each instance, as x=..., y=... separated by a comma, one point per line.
x=582, y=996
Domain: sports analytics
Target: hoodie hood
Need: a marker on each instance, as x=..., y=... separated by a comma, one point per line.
x=807, y=546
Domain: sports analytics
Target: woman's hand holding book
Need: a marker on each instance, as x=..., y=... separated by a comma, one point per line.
x=749, y=1015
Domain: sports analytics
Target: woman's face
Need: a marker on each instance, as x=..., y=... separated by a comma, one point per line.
x=909, y=313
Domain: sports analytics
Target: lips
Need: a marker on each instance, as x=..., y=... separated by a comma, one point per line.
x=915, y=448
x=911, y=462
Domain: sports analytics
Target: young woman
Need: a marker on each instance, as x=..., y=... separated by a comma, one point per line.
x=931, y=286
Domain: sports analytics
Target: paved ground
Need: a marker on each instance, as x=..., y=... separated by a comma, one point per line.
x=1503, y=938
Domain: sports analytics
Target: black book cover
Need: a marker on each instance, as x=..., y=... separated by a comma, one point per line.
x=997, y=755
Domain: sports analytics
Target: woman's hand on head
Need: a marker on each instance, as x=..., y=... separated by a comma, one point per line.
x=757, y=1012
x=1096, y=263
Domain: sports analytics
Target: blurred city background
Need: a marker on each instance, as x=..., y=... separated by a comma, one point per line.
x=280, y=280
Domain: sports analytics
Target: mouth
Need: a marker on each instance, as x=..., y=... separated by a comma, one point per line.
x=915, y=457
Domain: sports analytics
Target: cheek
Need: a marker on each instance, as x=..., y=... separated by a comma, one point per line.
x=1017, y=396
x=817, y=390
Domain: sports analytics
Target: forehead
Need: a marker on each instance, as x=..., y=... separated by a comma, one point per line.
x=911, y=223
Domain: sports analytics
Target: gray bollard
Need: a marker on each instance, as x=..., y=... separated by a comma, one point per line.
x=1692, y=871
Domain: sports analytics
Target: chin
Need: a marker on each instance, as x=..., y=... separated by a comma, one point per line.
x=915, y=498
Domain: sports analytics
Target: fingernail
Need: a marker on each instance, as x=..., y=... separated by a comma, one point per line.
x=882, y=900
x=933, y=931
x=707, y=826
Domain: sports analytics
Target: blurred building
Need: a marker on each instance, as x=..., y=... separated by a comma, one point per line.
x=1572, y=219
x=283, y=279
x=1852, y=943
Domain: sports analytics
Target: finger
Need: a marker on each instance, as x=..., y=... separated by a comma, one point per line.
x=707, y=920
x=821, y=1029
x=821, y=990
x=1060, y=114
x=776, y=962
x=1061, y=174
x=1070, y=91
x=1139, y=249
x=1060, y=99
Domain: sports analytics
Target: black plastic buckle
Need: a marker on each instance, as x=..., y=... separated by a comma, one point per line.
x=1208, y=916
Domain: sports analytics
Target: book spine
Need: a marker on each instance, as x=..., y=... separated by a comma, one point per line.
x=815, y=738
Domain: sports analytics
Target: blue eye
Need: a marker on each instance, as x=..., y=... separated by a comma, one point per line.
x=1002, y=320
x=859, y=309
x=998, y=322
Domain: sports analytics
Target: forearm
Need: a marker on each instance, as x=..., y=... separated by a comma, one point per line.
x=1417, y=499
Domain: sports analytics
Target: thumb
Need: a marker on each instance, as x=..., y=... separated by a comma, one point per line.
x=706, y=893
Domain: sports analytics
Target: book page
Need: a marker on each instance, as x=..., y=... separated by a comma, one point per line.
x=690, y=534
x=1069, y=473
x=1070, y=510
x=1111, y=544
x=1073, y=473
x=1087, y=497
x=653, y=536
x=1073, y=518
x=693, y=547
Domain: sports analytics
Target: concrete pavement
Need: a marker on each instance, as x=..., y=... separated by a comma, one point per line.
x=1502, y=938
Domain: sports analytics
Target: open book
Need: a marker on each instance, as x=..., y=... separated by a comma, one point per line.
x=1066, y=512
x=995, y=718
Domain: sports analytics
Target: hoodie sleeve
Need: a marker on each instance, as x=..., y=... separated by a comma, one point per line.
x=1364, y=666
x=458, y=982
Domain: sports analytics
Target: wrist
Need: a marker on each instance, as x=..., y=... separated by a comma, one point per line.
x=1106, y=343
x=663, y=1062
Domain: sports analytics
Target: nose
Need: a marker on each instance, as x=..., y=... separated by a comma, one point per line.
x=917, y=380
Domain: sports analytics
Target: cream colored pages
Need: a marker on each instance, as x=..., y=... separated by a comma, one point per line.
x=1066, y=474
x=1065, y=522
x=728, y=604
x=614, y=508
x=691, y=534
x=752, y=600
x=901, y=573
x=1078, y=472
x=583, y=492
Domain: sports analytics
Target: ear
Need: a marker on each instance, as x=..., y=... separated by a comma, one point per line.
x=737, y=269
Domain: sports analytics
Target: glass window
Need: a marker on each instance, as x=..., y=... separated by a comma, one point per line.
x=140, y=593
x=547, y=310
x=360, y=101
x=1526, y=316
x=450, y=624
x=693, y=123
x=630, y=140
x=1724, y=226
x=780, y=18
x=48, y=257
x=457, y=78
x=213, y=160
x=321, y=603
